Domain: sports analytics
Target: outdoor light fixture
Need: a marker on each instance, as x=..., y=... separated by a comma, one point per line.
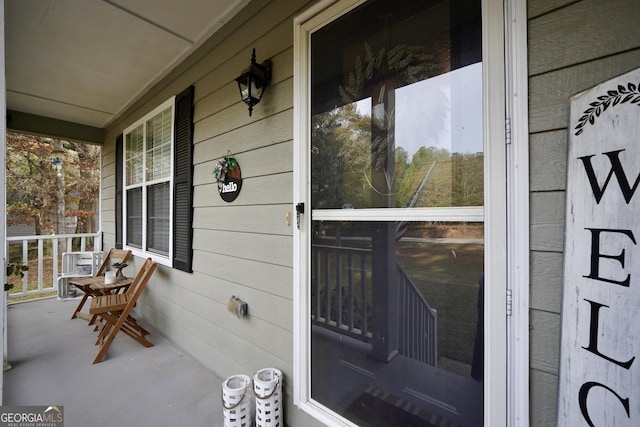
x=253, y=80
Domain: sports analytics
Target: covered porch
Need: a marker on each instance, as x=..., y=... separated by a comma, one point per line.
x=51, y=358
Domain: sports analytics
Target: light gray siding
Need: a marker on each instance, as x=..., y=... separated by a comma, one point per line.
x=573, y=45
x=243, y=248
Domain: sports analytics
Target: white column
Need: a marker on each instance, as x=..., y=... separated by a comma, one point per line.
x=3, y=213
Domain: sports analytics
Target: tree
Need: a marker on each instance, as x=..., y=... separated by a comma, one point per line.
x=341, y=168
x=341, y=158
x=52, y=182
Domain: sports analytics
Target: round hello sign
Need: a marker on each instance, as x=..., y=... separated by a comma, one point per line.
x=229, y=178
x=230, y=187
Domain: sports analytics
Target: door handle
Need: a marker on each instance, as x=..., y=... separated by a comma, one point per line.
x=299, y=211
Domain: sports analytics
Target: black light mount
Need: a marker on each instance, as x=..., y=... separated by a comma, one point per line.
x=253, y=80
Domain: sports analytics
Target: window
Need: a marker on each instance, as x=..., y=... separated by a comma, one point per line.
x=154, y=191
x=148, y=170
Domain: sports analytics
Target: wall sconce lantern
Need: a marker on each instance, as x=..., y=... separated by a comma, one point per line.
x=253, y=80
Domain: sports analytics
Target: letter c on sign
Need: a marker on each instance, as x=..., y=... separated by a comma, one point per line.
x=584, y=391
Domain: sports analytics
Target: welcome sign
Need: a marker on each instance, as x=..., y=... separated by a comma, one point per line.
x=599, y=373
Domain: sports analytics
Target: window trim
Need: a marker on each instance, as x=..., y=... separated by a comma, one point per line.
x=144, y=252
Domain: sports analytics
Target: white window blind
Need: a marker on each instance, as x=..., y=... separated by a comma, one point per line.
x=148, y=182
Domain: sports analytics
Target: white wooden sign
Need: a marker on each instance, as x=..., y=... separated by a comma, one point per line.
x=599, y=373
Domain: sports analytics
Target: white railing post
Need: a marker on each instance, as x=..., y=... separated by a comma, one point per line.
x=40, y=263
x=56, y=269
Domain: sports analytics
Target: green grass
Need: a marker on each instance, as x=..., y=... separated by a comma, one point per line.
x=447, y=275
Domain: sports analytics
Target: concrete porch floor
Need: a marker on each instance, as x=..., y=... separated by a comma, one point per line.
x=51, y=357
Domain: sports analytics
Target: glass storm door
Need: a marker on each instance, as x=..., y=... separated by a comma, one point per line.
x=396, y=248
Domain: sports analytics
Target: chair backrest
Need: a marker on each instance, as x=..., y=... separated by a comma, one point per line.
x=114, y=255
x=141, y=279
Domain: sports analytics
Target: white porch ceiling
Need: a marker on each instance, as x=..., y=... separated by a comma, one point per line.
x=86, y=61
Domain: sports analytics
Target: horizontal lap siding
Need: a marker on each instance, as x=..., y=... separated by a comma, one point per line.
x=243, y=248
x=573, y=45
x=107, y=194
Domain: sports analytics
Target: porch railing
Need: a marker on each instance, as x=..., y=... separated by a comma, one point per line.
x=45, y=254
x=418, y=322
x=341, y=301
x=341, y=290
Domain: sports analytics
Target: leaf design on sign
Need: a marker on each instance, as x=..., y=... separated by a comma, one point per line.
x=623, y=94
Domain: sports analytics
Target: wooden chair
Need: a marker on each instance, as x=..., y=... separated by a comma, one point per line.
x=115, y=312
x=116, y=258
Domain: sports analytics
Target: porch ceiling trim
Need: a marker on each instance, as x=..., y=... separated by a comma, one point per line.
x=45, y=126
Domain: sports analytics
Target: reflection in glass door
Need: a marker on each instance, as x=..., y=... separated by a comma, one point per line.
x=397, y=227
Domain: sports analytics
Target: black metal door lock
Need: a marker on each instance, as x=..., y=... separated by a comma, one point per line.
x=299, y=211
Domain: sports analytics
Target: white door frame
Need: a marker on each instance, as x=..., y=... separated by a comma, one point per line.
x=517, y=90
x=506, y=220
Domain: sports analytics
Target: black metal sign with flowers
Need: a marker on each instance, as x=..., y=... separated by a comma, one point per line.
x=613, y=97
x=229, y=178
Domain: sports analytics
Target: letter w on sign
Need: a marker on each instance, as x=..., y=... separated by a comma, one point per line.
x=616, y=169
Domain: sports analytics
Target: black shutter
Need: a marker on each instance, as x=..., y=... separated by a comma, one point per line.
x=119, y=166
x=183, y=182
